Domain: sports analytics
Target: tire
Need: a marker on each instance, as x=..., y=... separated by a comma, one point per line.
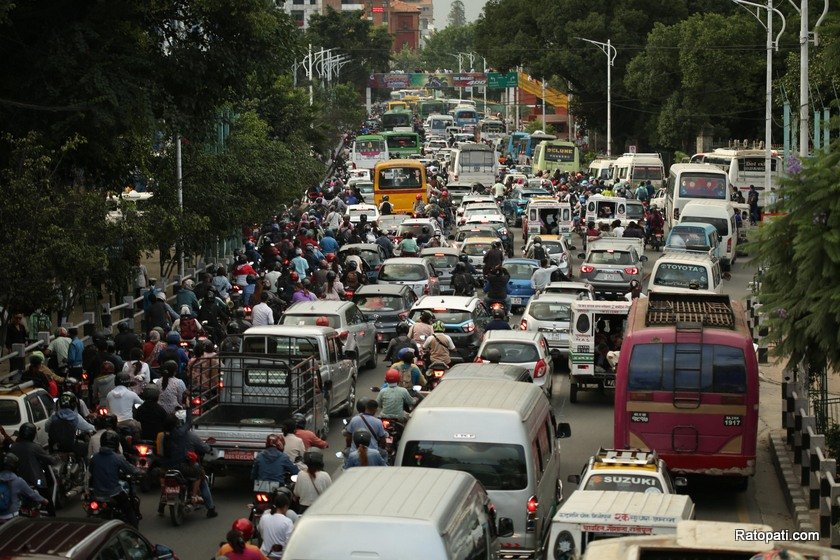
x=573, y=391
x=350, y=406
x=176, y=514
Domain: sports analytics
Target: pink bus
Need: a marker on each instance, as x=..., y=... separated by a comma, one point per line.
x=687, y=385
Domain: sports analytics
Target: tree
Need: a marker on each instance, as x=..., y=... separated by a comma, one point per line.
x=342, y=110
x=537, y=124
x=408, y=60
x=457, y=15
x=800, y=251
x=442, y=45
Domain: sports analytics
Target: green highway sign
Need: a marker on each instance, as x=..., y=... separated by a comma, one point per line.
x=496, y=80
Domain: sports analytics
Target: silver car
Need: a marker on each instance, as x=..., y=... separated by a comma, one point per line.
x=550, y=315
x=527, y=349
x=611, y=264
x=414, y=272
x=581, y=289
x=443, y=259
x=353, y=328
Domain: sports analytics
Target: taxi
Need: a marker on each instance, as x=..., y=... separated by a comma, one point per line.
x=627, y=470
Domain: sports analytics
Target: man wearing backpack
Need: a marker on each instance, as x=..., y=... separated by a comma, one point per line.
x=537, y=250
x=62, y=426
x=188, y=326
x=13, y=488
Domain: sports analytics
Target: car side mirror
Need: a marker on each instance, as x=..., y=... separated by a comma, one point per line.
x=571, y=247
x=573, y=478
x=581, y=255
x=505, y=527
x=643, y=258
x=350, y=354
x=680, y=482
x=564, y=430
x=726, y=276
x=163, y=552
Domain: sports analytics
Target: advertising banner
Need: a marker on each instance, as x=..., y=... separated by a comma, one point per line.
x=428, y=81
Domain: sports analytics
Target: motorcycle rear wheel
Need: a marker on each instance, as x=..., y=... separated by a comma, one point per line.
x=176, y=513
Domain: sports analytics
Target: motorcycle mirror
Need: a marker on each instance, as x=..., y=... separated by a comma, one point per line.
x=417, y=388
x=375, y=389
x=294, y=478
x=339, y=454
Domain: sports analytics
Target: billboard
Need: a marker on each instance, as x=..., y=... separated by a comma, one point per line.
x=428, y=81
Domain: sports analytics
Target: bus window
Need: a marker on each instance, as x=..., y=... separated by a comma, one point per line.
x=702, y=185
x=399, y=178
x=646, y=172
x=657, y=367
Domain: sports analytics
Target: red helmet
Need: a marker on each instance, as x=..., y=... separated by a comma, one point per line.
x=330, y=257
x=392, y=376
x=245, y=527
x=419, y=197
x=192, y=457
x=275, y=440
x=322, y=321
x=444, y=192
x=294, y=276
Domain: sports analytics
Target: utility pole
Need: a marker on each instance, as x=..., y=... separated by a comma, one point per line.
x=309, y=74
x=611, y=53
x=179, y=177
x=486, y=81
x=543, y=104
x=804, y=39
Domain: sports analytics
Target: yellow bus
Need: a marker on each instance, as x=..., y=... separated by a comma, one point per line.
x=398, y=105
x=401, y=180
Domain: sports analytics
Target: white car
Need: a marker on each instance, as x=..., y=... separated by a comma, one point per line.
x=550, y=314
x=483, y=209
x=471, y=199
x=356, y=211
x=526, y=349
x=627, y=470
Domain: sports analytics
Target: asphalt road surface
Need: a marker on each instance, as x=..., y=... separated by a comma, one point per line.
x=591, y=420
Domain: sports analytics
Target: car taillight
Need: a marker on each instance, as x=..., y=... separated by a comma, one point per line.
x=540, y=369
x=469, y=327
x=586, y=269
x=386, y=423
x=523, y=325
x=729, y=245
x=246, y=309
x=533, y=504
x=531, y=521
x=343, y=335
x=94, y=506
x=438, y=372
x=143, y=449
x=632, y=270
x=196, y=401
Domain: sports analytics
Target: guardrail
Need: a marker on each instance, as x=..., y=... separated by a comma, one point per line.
x=817, y=472
x=757, y=321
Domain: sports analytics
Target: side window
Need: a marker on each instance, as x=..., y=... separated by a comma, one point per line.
x=545, y=444
x=36, y=409
x=537, y=454
x=136, y=547
x=113, y=551
x=48, y=403
x=716, y=274
x=332, y=351
x=582, y=325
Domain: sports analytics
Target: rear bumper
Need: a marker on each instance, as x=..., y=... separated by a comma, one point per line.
x=710, y=465
x=516, y=553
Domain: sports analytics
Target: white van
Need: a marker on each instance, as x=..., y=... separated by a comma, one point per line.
x=687, y=273
x=547, y=215
x=721, y=215
x=592, y=515
x=503, y=433
x=632, y=169
x=601, y=169
x=693, y=181
x=400, y=514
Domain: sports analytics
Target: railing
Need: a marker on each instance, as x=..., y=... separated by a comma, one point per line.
x=815, y=470
x=757, y=321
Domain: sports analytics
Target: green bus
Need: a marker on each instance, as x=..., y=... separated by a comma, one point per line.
x=556, y=154
x=431, y=107
x=402, y=145
x=392, y=119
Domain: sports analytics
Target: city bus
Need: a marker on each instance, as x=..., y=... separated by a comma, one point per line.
x=431, y=107
x=556, y=154
x=397, y=106
x=368, y=150
x=514, y=142
x=474, y=163
x=392, y=119
x=688, y=181
x=490, y=129
x=465, y=116
x=436, y=125
x=745, y=167
x=402, y=145
x=402, y=180
x=687, y=384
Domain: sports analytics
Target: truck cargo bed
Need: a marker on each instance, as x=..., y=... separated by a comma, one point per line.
x=244, y=416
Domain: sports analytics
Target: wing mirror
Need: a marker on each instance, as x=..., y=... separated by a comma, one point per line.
x=581, y=255
x=680, y=482
x=726, y=276
x=643, y=258
x=564, y=430
x=571, y=247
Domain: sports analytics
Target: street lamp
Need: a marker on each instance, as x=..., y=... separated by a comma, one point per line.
x=460, y=89
x=768, y=88
x=611, y=53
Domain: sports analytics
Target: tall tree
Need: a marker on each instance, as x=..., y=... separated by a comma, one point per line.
x=457, y=14
x=442, y=46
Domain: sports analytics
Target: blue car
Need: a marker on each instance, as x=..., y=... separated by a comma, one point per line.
x=519, y=199
x=519, y=286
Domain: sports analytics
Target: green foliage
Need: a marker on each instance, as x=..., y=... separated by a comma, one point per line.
x=408, y=60
x=832, y=440
x=457, y=15
x=801, y=251
x=537, y=124
x=368, y=46
x=343, y=109
x=441, y=45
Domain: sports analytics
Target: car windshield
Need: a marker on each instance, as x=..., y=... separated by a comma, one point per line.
x=624, y=483
x=379, y=303
x=550, y=311
x=720, y=224
x=372, y=258
x=9, y=412
x=448, y=316
x=520, y=271
x=403, y=272
x=442, y=262
x=475, y=249
x=635, y=212
x=496, y=466
x=552, y=247
x=481, y=210
x=309, y=320
x=688, y=238
x=369, y=212
x=513, y=352
x=364, y=188
x=678, y=275
x=465, y=234
x=609, y=257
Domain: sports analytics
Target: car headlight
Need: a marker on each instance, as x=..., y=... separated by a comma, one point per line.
x=564, y=546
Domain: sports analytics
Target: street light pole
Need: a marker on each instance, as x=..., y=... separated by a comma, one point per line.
x=179, y=177
x=611, y=53
x=543, y=104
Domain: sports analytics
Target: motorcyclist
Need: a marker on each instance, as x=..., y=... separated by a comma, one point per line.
x=174, y=352
x=498, y=323
x=495, y=287
x=106, y=466
x=410, y=374
x=150, y=414
x=103, y=423
x=422, y=329
x=214, y=312
x=386, y=207
x=419, y=205
x=177, y=441
x=33, y=460
x=362, y=455
x=271, y=463
x=62, y=426
x=352, y=278
x=493, y=258
x=399, y=342
x=394, y=399
x=17, y=487
x=310, y=439
x=463, y=283
x=121, y=401
x=439, y=344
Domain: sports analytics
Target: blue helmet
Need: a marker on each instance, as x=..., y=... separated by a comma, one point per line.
x=173, y=338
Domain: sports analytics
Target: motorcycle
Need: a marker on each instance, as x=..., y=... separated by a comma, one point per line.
x=656, y=241
x=143, y=459
x=176, y=493
x=435, y=374
x=66, y=479
x=113, y=507
x=394, y=428
x=264, y=493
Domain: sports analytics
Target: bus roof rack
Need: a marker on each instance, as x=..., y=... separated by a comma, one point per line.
x=626, y=457
x=709, y=310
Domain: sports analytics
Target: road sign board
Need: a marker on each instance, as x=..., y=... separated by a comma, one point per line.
x=496, y=80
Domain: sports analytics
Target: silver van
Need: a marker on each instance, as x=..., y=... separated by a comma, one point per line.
x=399, y=514
x=504, y=434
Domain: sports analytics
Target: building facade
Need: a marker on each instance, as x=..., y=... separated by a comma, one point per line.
x=404, y=25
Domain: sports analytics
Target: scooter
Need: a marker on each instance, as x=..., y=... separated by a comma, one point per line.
x=264, y=493
x=435, y=374
x=176, y=493
x=111, y=507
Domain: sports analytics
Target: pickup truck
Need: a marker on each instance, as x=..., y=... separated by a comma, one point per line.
x=280, y=371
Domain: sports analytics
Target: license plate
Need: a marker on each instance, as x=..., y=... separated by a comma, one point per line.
x=389, y=440
x=239, y=455
x=609, y=277
x=171, y=490
x=551, y=335
x=516, y=301
x=609, y=382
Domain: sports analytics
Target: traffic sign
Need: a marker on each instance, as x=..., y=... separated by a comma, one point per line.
x=496, y=80
x=632, y=149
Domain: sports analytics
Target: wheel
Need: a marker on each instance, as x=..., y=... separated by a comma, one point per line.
x=371, y=363
x=176, y=513
x=350, y=407
x=573, y=391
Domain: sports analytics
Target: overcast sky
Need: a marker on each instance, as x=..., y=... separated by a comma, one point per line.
x=472, y=7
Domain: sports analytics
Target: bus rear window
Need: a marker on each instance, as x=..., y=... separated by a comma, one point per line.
x=703, y=185
x=399, y=178
x=496, y=466
x=654, y=173
x=716, y=369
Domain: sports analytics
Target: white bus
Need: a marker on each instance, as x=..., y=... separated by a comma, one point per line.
x=368, y=150
x=474, y=163
x=745, y=167
x=693, y=181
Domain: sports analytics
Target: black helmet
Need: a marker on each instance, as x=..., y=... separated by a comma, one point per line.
x=300, y=420
x=68, y=400
x=403, y=327
x=123, y=378
x=313, y=459
x=234, y=328
x=352, y=265
x=426, y=317
x=361, y=405
x=361, y=437
x=493, y=355
x=463, y=258
x=11, y=461
x=460, y=267
x=110, y=439
x=499, y=313
x=122, y=326
x=150, y=393
x=27, y=431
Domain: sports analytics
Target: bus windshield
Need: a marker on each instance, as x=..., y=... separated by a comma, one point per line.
x=476, y=159
x=465, y=114
x=399, y=178
x=492, y=127
x=370, y=147
x=390, y=120
x=703, y=185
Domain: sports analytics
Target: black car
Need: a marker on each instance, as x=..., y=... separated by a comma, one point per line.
x=43, y=538
x=387, y=305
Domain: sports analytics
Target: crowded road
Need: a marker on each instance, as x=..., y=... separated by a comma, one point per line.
x=591, y=420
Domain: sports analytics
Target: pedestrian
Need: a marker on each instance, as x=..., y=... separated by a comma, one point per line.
x=16, y=334
x=140, y=277
x=38, y=322
x=752, y=200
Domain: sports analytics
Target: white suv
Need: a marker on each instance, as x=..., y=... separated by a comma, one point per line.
x=23, y=402
x=550, y=314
